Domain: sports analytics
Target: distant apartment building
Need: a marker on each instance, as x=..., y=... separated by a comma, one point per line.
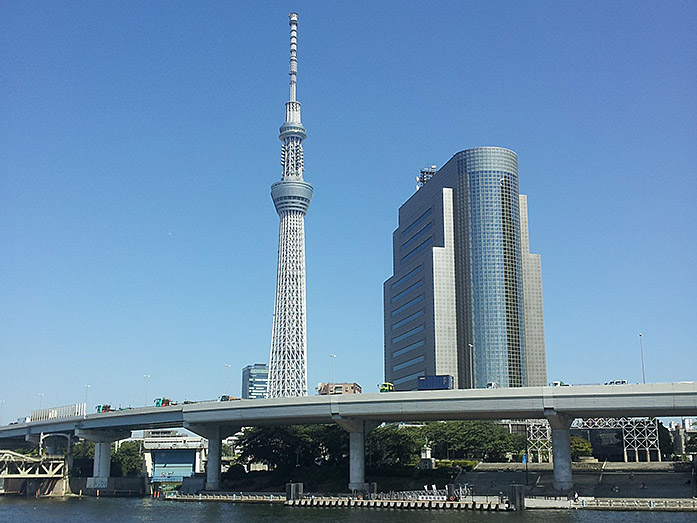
x=324, y=389
x=465, y=298
x=255, y=379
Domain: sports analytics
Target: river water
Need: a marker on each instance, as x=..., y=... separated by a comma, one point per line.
x=87, y=510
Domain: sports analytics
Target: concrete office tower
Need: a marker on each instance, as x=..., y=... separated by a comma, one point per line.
x=291, y=196
x=532, y=299
x=455, y=304
x=255, y=381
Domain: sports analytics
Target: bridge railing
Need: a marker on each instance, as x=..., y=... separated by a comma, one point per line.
x=67, y=411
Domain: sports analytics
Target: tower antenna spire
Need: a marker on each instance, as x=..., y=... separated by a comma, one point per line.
x=293, y=69
x=291, y=196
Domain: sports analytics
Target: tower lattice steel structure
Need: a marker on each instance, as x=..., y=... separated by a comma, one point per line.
x=291, y=196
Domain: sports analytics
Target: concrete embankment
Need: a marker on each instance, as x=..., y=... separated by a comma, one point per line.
x=656, y=480
x=481, y=503
x=399, y=504
x=476, y=503
x=226, y=497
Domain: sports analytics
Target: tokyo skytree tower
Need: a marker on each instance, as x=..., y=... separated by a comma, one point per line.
x=291, y=196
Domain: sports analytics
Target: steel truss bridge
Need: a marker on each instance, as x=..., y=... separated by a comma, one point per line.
x=639, y=435
x=14, y=465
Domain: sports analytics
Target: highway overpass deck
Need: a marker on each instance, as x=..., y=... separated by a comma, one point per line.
x=588, y=401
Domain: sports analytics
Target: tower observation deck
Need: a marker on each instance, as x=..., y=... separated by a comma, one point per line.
x=291, y=196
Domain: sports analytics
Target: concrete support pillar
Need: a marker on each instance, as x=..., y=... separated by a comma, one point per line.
x=357, y=430
x=215, y=444
x=561, y=448
x=102, y=459
x=102, y=453
x=215, y=434
x=357, y=461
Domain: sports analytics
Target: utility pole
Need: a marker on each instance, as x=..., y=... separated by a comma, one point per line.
x=471, y=365
x=641, y=347
x=227, y=378
x=147, y=377
x=332, y=356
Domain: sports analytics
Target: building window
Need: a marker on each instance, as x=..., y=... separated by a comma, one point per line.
x=401, y=295
x=408, y=348
x=417, y=222
x=406, y=320
x=407, y=277
x=420, y=248
x=418, y=235
x=409, y=363
x=408, y=333
x=408, y=304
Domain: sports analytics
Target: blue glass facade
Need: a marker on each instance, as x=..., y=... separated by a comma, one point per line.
x=489, y=265
x=454, y=304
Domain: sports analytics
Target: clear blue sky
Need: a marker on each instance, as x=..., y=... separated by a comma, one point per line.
x=139, y=140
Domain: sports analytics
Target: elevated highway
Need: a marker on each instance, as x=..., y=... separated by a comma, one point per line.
x=360, y=413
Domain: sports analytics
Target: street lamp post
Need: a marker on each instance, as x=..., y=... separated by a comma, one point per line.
x=332, y=356
x=471, y=365
x=641, y=348
x=41, y=396
x=87, y=387
x=147, y=377
x=2, y=402
x=227, y=378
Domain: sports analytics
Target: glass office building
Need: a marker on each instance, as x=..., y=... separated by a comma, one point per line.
x=255, y=381
x=455, y=304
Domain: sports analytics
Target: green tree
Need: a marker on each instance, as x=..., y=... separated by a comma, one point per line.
x=83, y=449
x=443, y=438
x=129, y=458
x=288, y=447
x=665, y=441
x=394, y=445
x=481, y=440
x=580, y=447
x=332, y=443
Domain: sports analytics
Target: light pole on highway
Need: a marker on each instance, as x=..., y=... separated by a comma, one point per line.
x=147, y=377
x=41, y=396
x=87, y=387
x=641, y=348
x=333, y=357
x=471, y=365
x=2, y=402
x=227, y=378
